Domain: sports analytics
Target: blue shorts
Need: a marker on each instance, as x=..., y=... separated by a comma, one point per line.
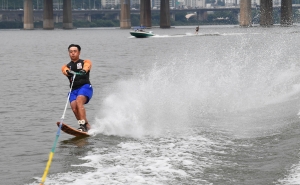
x=86, y=90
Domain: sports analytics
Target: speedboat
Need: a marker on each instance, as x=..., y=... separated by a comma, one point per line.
x=139, y=32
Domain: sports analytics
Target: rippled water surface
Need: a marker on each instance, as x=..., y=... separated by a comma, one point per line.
x=217, y=108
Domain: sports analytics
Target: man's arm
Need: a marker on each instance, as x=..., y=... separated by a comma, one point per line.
x=64, y=70
x=87, y=65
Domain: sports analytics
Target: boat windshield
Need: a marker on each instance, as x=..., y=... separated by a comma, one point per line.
x=139, y=28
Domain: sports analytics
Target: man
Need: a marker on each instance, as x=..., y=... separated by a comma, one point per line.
x=82, y=91
x=197, y=29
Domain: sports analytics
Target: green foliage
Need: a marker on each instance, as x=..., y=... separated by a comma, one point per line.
x=38, y=24
x=135, y=19
x=219, y=17
x=155, y=17
x=11, y=24
x=180, y=17
x=296, y=15
x=96, y=23
x=276, y=16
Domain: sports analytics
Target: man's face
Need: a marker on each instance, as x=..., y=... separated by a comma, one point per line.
x=74, y=53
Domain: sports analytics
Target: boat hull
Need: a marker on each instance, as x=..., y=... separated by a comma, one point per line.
x=141, y=34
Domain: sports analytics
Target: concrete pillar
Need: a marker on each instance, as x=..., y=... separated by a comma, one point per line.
x=165, y=14
x=145, y=13
x=286, y=13
x=28, y=15
x=125, y=22
x=48, y=23
x=266, y=12
x=245, y=13
x=67, y=14
x=1, y=18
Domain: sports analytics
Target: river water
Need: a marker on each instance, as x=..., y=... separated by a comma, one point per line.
x=217, y=108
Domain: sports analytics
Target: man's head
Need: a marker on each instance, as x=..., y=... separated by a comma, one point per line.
x=74, y=51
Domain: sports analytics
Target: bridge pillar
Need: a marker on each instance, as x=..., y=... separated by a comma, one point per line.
x=286, y=13
x=48, y=23
x=67, y=14
x=266, y=15
x=245, y=13
x=145, y=13
x=165, y=14
x=28, y=15
x=125, y=22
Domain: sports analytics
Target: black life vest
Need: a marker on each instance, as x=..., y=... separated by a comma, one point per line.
x=80, y=80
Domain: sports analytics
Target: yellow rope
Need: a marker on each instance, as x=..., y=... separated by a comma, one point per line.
x=47, y=168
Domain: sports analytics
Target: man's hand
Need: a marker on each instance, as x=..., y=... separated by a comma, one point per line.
x=69, y=73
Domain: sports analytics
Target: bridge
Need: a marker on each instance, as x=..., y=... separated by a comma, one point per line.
x=123, y=14
x=13, y=15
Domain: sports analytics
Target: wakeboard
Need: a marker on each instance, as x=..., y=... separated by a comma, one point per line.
x=72, y=131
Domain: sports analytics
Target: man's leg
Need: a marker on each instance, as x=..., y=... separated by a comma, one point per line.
x=74, y=109
x=80, y=110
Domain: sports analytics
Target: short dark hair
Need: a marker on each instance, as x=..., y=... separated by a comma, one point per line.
x=75, y=45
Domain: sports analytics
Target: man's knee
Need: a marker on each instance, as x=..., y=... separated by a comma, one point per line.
x=81, y=100
x=74, y=109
